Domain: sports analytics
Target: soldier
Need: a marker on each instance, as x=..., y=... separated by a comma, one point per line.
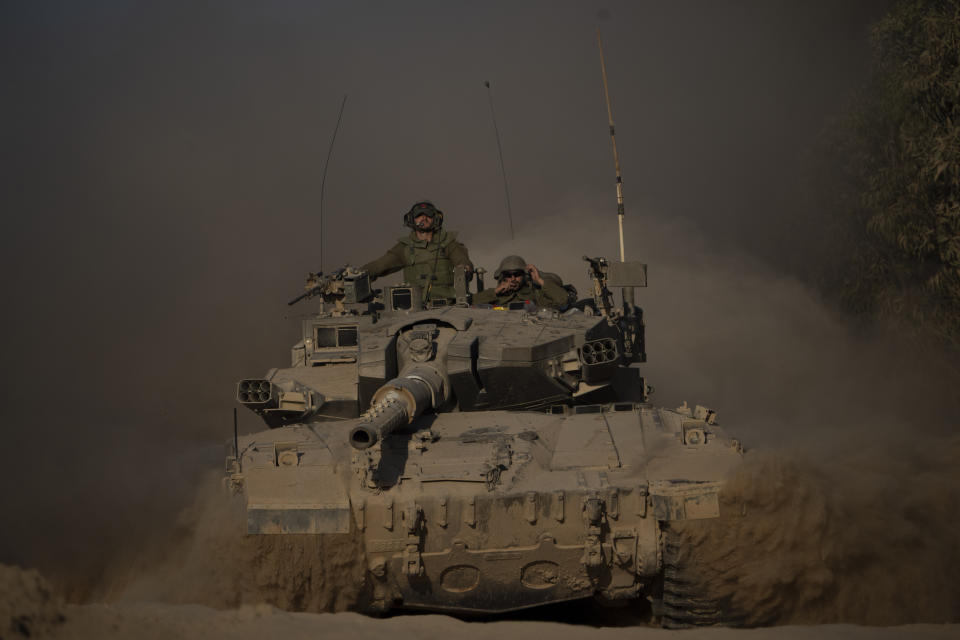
x=427, y=256
x=518, y=281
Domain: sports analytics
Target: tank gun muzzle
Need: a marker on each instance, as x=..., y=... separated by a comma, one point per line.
x=397, y=403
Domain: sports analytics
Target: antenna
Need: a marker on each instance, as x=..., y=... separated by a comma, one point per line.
x=613, y=139
x=236, y=441
x=503, y=170
x=627, y=291
x=323, y=182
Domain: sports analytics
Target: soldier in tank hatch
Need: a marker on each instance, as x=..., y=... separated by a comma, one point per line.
x=518, y=281
x=427, y=255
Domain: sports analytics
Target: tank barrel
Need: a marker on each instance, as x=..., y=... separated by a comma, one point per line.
x=397, y=403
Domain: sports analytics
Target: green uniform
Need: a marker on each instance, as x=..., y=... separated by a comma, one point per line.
x=549, y=295
x=428, y=265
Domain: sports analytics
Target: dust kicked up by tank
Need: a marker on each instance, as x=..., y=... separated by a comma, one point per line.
x=745, y=413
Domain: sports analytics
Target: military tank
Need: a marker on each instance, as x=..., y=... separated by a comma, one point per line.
x=489, y=459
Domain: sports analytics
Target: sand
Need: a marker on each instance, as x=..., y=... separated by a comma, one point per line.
x=148, y=621
x=30, y=609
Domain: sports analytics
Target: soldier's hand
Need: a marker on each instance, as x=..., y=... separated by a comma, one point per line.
x=535, y=275
x=503, y=286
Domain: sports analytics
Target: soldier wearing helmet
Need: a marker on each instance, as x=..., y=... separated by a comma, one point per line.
x=427, y=255
x=519, y=281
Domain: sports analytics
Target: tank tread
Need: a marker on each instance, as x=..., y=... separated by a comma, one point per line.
x=682, y=607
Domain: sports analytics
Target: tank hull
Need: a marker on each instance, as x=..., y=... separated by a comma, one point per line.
x=493, y=511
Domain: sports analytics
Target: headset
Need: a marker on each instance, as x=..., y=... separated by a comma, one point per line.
x=427, y=207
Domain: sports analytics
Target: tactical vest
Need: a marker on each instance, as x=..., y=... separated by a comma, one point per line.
x=427, y=265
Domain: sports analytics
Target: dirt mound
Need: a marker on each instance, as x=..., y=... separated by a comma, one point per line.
x=867, y=536
x=210, y=560
x=28, y=606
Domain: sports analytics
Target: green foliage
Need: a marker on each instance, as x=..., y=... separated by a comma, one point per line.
x=896, y=240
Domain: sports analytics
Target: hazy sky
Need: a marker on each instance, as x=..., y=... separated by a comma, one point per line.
x=161, y=166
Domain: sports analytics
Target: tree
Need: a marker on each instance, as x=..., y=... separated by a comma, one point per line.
x=896, y=236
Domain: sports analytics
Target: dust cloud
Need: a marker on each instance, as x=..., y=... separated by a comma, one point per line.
x=161, y=168
x=205, y=558
x=867, y=536
x=28, y=604
x=729, y=331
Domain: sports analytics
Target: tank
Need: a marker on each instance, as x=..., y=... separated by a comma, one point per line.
x=489, y=459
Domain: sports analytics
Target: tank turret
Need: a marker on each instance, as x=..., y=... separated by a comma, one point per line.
x=523, y=358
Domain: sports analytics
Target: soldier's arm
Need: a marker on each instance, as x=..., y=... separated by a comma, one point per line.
x=457, y=253
x=390, y=262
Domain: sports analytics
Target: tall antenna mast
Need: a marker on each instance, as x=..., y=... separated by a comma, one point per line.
x=503, y=170
x=613, y=139
x=627, y=291
x=323, y=181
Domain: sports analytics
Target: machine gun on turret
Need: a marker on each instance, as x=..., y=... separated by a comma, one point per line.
x=318, y=284
x=346, y=285
x=602, y=297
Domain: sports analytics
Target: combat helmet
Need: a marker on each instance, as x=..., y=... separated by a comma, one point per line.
x=510, y=263
x=427, y=207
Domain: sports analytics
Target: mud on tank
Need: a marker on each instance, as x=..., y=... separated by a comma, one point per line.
x=490, y=460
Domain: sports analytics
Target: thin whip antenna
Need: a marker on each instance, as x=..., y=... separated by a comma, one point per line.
x=503, y=170
x=613, y=139
x=323, y=182
x=236, y=441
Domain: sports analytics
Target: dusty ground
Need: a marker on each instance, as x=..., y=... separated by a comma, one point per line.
x=150, y=621
x=29, y=608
